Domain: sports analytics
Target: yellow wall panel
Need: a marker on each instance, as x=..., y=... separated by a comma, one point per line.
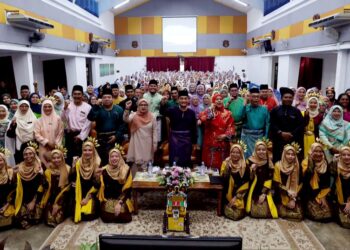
x=213, y=52
x=226, y=24
x=131, y=52
x=121, y=25
x=157, y=25
x=79, y=35
x=68, y=32
x=284, y=33
x=307, y=29
x=296, y=29
x=202, y=25
x=2, y=13
x=147, y=25
x=240, y=24
x=230, y=52
x=147, y=52
x=134, y=25
x=213, y=25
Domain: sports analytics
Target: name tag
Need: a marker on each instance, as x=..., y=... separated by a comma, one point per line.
x=29, y=122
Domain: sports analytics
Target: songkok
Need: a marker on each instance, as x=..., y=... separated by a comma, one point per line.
x=264, y=86
x=284, y=90
x=254, y=91
x=153, y=81
x=128, y=87
x=78, y=88
x=114, y=86
x=233, y=85
x=183, y=93
x=173, y=88
x=106, y=91
x=24, y=87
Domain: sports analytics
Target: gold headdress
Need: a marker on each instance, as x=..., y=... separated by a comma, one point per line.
x=33, y=144
x=119, y=148
x=62, y=149
x=243, y=92
x=51, y=98
x=242, y=144
x=295, y=145
x=267, y=142
x=93, y=141
x=313, y=94
x=324, y=146
x=5, y=151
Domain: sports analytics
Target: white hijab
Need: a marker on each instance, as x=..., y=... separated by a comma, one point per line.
x=25, y=125
x=5, y=120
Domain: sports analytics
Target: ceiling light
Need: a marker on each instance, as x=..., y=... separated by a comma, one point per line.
x=241, y=3
x=121, y=4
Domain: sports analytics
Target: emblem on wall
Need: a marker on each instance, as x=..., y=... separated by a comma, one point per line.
x=134, y=44
x=226, y=43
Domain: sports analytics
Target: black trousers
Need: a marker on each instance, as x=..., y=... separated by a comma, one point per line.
x=74, y=149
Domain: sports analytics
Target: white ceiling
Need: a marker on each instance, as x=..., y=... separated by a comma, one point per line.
x=228, y=3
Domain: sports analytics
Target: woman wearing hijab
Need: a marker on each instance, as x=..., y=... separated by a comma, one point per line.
x=13, y=108
x=342, y=186
x=197, y=108
x=48, y=131
x=317, y=184
x=236, y=182
x=6, y=99
x=4, y=122
x=143, y=131
x=83, y=179
x=35, y=105
x=288, y=184
x=22, y=128
x=56, y=194
x=200, y=91
x=59, y=105
x=299, y=99
x=206, y=101
x=334, y=131
x=29, y=190
x=259, y=202
x=218, y=129
x=7, y=188
x=313, y=119
x=115, y=189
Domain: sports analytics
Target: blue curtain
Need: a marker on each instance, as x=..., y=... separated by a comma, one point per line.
x=272, y=5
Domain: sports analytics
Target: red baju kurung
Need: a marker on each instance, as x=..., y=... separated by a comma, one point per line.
x=270, y=103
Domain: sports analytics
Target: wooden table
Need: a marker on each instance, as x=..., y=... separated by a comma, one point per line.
x=142, y=186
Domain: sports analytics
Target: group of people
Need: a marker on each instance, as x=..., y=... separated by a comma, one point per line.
x=214, y=118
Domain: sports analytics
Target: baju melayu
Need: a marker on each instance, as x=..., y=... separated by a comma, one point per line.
x=236, y=106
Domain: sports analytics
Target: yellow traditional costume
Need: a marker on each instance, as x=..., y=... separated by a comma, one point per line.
x=236, y=184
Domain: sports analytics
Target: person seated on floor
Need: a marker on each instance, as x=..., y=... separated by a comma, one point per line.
x=342, y=187
x=7, y=190
x=29, y=190
x=317, y=183
x=115, y=189
x=56, y=193
x=82, y=177
x=259, y=202
x=288, y=184
x=236, y=182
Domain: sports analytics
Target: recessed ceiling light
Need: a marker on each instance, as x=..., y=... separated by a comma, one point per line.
x=241, y=3
x=121, y=4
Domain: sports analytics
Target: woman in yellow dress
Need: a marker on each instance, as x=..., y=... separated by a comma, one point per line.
x=313, y=119
x=7, y=190
x=83, y=176
x=57, y=186
x=29, y=190
x=115, y=189
x=317, y=184
x=259, y=202
x=236, y=182
x=342, y=186
x=288, y=184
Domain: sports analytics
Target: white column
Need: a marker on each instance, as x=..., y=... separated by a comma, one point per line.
x=288, y=71
x=342, y=71
x=23, y=70
x=76, y=72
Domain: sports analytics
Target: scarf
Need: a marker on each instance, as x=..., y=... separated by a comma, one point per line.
x=13, y=111
x=119, y=172
x=26, y=172
x=5, y=119
x=256, y=159
x=344, y=169
x=140, y=119
x=5, y=173
x=290, y=169
x=241, y=165
x=321, y=166
x=50, y=122
x=62, y=170
x=25, y=124
x=315, y=112
x=36, y=108
x=87, y=168
x=334, y=128
x=59, y=107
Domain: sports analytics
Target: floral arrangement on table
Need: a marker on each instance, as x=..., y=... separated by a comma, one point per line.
x=176, y=176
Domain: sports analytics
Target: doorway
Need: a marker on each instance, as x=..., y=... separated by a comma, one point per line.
x=7, y=77
x=89, y=71
x=310, y=72
x=54, y=74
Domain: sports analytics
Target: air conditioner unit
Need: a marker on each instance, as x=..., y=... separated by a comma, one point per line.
x=101, y=42
x=26, y=22
x=261, y=40
x=336, y=20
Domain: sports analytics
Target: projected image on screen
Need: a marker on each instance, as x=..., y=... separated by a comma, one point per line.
x=179, y=34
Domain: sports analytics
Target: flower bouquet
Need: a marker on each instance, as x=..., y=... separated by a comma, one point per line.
x=176, y=176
